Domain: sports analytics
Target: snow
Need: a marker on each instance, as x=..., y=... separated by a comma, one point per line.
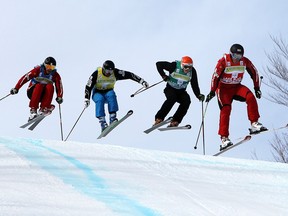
x=46, y=177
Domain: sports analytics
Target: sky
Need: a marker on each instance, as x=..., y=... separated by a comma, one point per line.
x=46, y=177
x=81, y=35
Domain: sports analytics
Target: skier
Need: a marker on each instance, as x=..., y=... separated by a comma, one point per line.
x=40, y=90
x=226, y=82
x=181, y=73
x=102, y=83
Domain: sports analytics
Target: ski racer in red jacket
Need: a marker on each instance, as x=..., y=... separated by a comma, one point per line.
x=40, y=90
x=226, y=82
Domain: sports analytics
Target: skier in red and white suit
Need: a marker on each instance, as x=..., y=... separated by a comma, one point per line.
x=40, y=90
x=226, y=82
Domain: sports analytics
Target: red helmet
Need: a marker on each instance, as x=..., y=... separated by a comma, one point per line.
x=187, y=62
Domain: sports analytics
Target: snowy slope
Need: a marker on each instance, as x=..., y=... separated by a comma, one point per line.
x=42, y=177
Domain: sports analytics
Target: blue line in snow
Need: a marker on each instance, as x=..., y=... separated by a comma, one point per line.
x=88, y=183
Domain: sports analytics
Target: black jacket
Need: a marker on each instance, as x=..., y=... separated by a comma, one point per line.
x=170, y=67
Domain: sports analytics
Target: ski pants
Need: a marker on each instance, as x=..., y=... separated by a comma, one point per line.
x=173, y=96
x=102, y=98
x=40, y=93
x=225, y=97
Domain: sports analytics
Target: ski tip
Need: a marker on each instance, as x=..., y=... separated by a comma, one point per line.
x=130, y=112
x=248, y=137
x=188, y=126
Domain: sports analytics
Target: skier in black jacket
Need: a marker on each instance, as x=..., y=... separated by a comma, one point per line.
x=181, y=73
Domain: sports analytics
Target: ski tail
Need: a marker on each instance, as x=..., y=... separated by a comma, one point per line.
x=34, y=122
x=32, y=127
x=31, y=121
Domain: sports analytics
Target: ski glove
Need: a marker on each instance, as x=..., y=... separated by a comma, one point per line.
x=165, y=78
x=258, y=93
x=59, y=100
x=201, y=97
x=86, y=103
x=145, y=84
x=210, y=96
x=13, y=91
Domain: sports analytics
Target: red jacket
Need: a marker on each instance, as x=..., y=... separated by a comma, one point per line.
x=221, y=79
x=35, y=73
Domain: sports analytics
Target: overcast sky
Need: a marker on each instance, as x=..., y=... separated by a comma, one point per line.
x=81, y=35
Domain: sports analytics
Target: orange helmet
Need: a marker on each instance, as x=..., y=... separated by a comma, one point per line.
x=186, y=62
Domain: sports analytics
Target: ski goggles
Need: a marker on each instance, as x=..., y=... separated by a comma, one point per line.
x=187, y=66
x=236, y=56
x=108, y=71
x=49, y=66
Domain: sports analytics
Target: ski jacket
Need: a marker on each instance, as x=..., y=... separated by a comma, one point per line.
x=38, y=76
x=103, y=82
x=100, y=83
x=177, y=78
x=227, y=73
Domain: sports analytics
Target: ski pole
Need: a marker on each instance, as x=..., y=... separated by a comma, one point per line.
x=261, y=77
x=75, y=123
x=202, y=124
x=5, y=96
x=203, y=127
x=61, y=127
x=144, y=89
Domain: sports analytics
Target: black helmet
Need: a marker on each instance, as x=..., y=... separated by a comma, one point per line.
x=50, y=61
x=237, y=48
x=108, y=65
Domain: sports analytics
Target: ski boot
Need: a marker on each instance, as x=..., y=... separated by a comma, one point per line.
x=157, y=121
x=113, y=118
x=103, y=123
x=46, y=110
x=226, y=142
x=173, y=123
x=33, y=114
x=257, y=127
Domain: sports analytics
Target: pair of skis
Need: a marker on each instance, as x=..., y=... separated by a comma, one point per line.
x=34, y=122
x=247, y=138
x=112, y=126
x=166, y=121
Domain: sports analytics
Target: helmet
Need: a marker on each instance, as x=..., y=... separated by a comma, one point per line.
x=237, y=48
x=186, y=62
x=50, y=61
x=108, y=65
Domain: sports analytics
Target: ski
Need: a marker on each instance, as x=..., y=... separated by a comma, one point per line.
x=184, y=127
x=36, y=122
x=154, y=127
x=269, y=130
x=31, y=121
x=112, y=126
x=248, y=137
x=245, y=139
x=265, y=131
